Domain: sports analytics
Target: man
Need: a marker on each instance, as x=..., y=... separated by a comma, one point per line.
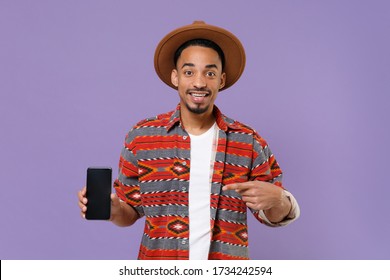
x=194, y=172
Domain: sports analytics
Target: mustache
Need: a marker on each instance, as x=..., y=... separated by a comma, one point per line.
x=204, y=89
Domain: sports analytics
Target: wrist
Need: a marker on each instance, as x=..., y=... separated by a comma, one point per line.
x=279, y=212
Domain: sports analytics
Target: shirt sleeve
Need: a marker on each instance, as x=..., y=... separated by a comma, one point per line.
x=264, y=165
x=127, y=185
x=266, y=168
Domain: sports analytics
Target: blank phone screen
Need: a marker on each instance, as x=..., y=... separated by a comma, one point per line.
x=98, y=193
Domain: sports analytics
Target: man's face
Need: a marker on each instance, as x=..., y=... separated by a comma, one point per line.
x=198, y=77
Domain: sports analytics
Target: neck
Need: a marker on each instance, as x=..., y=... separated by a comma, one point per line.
x=197, y=124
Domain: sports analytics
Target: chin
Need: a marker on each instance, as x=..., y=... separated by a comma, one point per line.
x=197, y=110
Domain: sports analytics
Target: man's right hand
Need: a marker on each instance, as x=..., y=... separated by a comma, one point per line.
x=83, y=201
x=122, y=214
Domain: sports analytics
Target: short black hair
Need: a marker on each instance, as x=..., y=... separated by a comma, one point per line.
x=202, y=43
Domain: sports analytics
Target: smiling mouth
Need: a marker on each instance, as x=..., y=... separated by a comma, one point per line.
x=194, y=94
x=199, y=92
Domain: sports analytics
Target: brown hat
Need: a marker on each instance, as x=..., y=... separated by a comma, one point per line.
x=232, y=48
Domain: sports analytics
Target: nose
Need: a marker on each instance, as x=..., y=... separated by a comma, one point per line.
x=199, y=81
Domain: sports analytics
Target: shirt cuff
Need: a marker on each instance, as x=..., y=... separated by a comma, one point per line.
x=294, y=213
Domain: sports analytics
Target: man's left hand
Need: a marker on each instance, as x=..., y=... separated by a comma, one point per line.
x=264, y=196
x=258, y=195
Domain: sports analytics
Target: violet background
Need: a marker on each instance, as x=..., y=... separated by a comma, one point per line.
x=76, y=75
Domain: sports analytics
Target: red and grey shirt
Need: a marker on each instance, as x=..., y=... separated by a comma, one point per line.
x=153, y=178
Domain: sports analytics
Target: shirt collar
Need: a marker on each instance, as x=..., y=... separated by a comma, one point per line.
x=223, y=122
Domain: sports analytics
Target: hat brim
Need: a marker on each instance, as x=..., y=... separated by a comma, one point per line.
x=232, y=48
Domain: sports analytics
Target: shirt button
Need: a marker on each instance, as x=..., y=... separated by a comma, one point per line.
x=183, y=242
x=183, y=188
x=184, y=163
x=185, y=137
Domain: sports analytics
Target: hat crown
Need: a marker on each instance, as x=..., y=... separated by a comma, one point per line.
x=199, y=22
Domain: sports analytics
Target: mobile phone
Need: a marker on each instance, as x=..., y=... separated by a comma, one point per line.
x=98, y=193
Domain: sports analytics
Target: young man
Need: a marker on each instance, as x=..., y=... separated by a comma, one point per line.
x=194, y=172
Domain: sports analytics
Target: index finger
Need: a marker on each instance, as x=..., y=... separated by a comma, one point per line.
x=237, y=186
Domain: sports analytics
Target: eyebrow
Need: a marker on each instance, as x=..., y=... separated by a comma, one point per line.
x=193, y=65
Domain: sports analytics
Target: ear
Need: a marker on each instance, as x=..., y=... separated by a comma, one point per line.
x=174, y=78
x=223, y=80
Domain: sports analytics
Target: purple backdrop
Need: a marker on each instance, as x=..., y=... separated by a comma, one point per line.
x=76, y=75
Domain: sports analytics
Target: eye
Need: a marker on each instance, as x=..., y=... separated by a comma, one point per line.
x=188, y=73
x=210, y=74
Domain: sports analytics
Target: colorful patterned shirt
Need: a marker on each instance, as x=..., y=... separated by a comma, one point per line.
x=154, y=179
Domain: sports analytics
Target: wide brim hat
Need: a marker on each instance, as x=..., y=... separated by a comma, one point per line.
x=231, y=46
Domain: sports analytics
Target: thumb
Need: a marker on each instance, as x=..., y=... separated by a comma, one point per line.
x=114, y=199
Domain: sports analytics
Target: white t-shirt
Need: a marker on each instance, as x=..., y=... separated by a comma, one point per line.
x=199, y=194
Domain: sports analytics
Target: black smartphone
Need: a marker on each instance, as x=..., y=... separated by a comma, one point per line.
x=99, y=193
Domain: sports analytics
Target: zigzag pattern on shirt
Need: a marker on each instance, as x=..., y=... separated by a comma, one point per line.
x=154, y=199
x=165, y=169
x=172, y=227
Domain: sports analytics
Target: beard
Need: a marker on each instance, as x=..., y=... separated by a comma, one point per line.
x=197, y=110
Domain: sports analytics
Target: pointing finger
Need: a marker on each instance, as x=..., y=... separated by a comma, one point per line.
x=238, y=187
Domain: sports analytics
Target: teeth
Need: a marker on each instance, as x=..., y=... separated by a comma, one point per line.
x=198, y=95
